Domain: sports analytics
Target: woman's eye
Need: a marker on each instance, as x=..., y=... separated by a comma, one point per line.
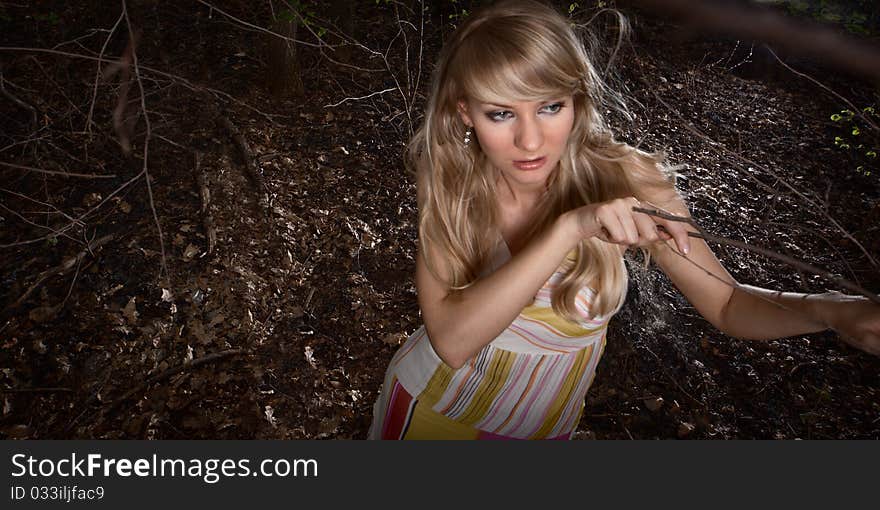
x=499, y=115
x=553, y=108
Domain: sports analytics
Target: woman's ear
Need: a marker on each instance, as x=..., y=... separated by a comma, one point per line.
x=464, y=113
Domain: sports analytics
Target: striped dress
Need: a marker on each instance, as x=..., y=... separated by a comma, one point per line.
x=528, y=383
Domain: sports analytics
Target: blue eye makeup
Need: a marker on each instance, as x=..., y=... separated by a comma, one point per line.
x=502, y=115
x=554, y=108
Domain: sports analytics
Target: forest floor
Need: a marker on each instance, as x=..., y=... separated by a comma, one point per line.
x=284, y=330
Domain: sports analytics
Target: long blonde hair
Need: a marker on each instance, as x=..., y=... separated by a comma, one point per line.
x=527, y=51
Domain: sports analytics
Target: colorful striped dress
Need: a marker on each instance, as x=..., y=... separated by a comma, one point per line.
x=528, y=383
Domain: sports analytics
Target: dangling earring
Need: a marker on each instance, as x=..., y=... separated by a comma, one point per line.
x=467, y=136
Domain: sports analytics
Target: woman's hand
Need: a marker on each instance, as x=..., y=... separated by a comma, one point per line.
x=615, y=222
x=855, y=318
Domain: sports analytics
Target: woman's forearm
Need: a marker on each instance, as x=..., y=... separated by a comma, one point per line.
x=754, y=313
x=462, y=323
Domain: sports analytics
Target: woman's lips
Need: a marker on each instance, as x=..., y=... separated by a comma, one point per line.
x=530, y=164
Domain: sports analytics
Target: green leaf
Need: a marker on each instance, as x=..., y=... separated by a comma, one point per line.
x=855, y=130
x=836, y=117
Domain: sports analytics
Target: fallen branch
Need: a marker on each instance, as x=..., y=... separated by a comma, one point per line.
x=60, y=270
x=205, y=199
x=763, y=251
x=250, y=163
x=208, y=358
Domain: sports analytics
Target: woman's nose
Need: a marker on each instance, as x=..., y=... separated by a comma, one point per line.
x=529, y=136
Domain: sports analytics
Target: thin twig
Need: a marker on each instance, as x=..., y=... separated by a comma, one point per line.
x=146, y=171
x=35, y=390
x=57, y=172
x=826, y=88
x=88, y=127
x=19, y=102
x=379, y=92
x=60, y=269
x=208, y=358
x=763, y=251
x=690, y=127
x=179, y=79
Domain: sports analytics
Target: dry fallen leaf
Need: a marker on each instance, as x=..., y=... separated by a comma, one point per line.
x=190, y=252
x=270, y=416
x=130, y=311
x=43, y=313
x=653, y=404
x=394, y=338
x=685, y=429
x=310, y=356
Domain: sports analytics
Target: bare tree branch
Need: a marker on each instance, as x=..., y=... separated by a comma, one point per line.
x=763, y=251
x=58, y=172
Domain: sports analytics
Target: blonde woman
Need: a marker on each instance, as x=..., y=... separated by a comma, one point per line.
x=525, y=209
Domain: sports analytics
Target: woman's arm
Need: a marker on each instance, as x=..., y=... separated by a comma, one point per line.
x=755, y=313
x=461, y=323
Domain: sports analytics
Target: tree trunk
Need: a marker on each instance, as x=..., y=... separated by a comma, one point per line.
x=283, y=76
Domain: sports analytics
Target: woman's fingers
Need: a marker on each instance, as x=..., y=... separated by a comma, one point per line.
x=616, y=222
x=648, y=230
x=679, y=232
x=676, y=230
x=611, y=223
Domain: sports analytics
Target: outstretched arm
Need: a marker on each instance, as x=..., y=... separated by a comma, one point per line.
x=748, y=312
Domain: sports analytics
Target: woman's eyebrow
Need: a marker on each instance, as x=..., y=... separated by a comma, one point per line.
x=500, y=105
x=497, y=105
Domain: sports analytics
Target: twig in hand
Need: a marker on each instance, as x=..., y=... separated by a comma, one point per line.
x=763, y=251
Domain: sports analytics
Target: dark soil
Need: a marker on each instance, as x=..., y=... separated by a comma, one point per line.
x=309, y=289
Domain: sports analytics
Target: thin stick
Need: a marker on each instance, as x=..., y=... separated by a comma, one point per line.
x=179, y=79
x=146, y=171
x=19, y=102
x=690, y=127
x=208, y=358
x=763, y=251
x=57, y=172
x=88, y=128
x=35, y=390
x=60, y=269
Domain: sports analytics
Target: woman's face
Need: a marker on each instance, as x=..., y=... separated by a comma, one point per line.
x=523, y=140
